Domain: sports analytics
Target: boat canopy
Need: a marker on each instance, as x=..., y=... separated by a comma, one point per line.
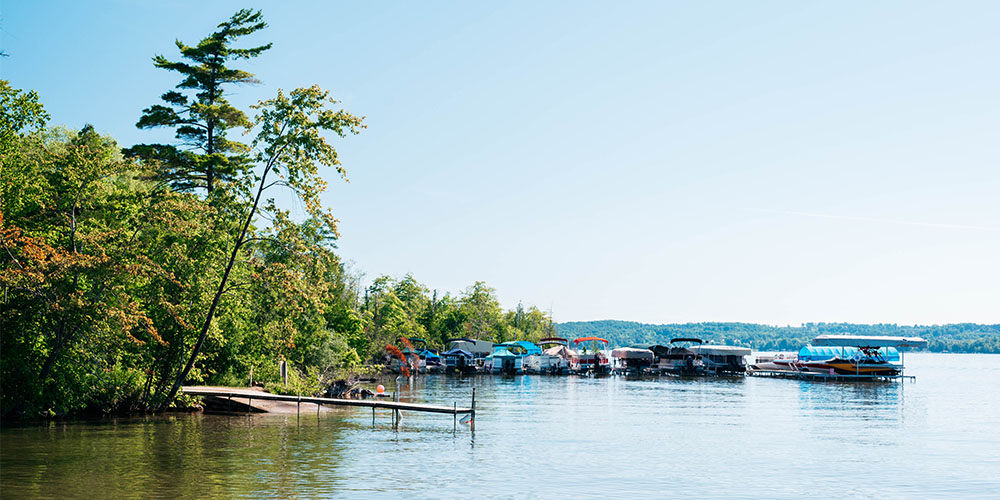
x=415, y=341
x=683, y=339
x=472, y=345
x=868, y=341
x=721, y=350
x=663, y=351
x=518, y=345
x=553, y=340
x=459, y=352
x=559, y=350
x=588, y=339
x=823, y=353
x=632, y=353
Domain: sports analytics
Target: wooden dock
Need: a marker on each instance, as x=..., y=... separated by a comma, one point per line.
x=374, y=404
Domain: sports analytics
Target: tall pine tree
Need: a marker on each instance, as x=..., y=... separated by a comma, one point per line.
x=204, y=157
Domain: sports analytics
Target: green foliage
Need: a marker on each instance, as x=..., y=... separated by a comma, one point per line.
x=310, y=382
x=71, y=261
x=201, y=121
x=19, y=112
x=963, y=337
x=405, y=308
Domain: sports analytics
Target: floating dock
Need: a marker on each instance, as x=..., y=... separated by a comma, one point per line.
x=836, y=377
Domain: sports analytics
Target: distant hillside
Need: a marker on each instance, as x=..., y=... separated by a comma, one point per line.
x=961, y=337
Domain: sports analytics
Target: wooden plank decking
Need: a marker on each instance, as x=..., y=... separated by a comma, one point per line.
x=365, y=403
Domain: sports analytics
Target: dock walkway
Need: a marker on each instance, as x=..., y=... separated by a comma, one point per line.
x=248, y=394
x=836, y=377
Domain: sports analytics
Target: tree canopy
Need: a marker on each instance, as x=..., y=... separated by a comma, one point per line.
x=198, y=111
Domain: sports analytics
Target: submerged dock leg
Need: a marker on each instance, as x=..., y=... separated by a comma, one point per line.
x=395, y=412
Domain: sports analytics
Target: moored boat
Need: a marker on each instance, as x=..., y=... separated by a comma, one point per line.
x=678, y=360
x=843, y=357
x=850, y=360
x=424, y=360
x=590, y=360
x=553, y=358
x=780, y=361
x=476, y=349
x=508, y=358
x=723, y=359
x=634, y=360
x=459, y=361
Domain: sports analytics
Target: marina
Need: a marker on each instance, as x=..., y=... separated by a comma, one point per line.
x=630, y=430
x=827, y=357
x=841, y=358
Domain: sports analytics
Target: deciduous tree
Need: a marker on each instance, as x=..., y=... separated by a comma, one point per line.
x=290, y=149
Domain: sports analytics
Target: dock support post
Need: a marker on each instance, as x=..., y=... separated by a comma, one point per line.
x=395, y=413
x=373, y=417
x=472, y=423
x=249, y=405
x=454, y=427
x=298, y=407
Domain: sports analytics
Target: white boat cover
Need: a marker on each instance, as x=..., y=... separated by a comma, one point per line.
x=559, y=351
x=632, y=353
x=721, y=350
x=868, y=341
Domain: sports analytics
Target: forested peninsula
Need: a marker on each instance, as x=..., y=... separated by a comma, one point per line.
x=127, y=272
x=961, y=337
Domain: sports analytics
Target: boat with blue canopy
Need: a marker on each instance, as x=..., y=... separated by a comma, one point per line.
x=845, y=356
x=508, y=357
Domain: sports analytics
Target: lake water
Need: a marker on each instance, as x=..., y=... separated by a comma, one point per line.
x=555, y=437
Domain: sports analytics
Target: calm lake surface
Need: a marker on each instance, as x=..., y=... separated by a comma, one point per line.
x=555, y=437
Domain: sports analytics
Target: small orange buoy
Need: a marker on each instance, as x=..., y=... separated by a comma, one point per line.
x=380, y=389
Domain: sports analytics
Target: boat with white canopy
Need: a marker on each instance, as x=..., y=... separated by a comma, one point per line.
x=554, y=358
x=722, y=359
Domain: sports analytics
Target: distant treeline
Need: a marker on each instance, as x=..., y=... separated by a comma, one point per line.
x=960, y=337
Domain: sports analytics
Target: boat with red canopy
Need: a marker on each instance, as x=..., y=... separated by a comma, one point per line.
x=589, y=357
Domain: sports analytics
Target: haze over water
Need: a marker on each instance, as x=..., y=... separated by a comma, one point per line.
x=555, y=437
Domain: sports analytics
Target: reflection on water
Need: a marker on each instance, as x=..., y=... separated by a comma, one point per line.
x=544, y=437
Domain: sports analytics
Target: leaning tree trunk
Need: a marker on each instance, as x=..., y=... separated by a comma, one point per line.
x=218, y=295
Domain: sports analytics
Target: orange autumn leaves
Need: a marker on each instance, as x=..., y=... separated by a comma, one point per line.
x=404, y=365
x=60, y=279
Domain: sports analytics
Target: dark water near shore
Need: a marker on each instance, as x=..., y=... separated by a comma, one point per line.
x=543, y=437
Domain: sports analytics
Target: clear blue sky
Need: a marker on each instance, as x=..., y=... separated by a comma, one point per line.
x=774, y=162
